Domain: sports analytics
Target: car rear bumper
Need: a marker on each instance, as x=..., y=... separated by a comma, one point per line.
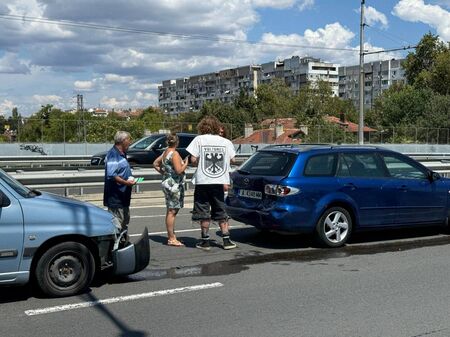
x=277, y=219
x=132, y=258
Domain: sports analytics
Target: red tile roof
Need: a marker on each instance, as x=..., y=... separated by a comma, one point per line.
x=267, y=136
x=290, y=134
x=349, y=126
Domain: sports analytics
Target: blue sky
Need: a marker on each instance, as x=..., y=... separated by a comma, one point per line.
x=47, y=62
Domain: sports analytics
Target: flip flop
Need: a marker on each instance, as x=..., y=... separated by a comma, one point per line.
x=175, y=243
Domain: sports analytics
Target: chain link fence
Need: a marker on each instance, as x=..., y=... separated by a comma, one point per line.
x=103, y=130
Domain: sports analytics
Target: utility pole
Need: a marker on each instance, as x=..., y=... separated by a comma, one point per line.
x=361, y=77
x=80, y=102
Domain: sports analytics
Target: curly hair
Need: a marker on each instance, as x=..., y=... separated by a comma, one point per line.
x=171, y=140
x=209, y=125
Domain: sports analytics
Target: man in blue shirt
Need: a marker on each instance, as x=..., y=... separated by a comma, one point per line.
x=118, y=180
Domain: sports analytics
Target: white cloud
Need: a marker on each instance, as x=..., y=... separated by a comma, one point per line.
x=279, y=4
x=11, y=64
x=6, y=107
x=33, y=8
x=373, y=16
x=331, y=36
x=114, y=102
x=135, y=85
x=84, y=85
x=305, y=4
x=47, y=99
x=146, y=96
x=432, y=15
x=114, y=78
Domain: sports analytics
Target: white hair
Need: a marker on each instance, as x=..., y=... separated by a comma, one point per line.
x=120, y=136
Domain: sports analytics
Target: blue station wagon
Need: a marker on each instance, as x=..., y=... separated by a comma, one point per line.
x=60, y=243
x=332, y=191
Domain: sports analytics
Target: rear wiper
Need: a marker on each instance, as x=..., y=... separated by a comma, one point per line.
x=241, y=171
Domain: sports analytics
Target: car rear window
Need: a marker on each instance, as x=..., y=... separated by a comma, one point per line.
x=269, y=163
x=144, y=142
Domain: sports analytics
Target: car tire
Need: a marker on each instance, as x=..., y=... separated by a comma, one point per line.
x=334, y=227
x=65, y=269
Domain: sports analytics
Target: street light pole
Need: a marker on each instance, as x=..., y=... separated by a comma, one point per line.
x=361, y=77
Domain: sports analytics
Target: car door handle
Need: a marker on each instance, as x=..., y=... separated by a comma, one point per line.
x=350, y=185
x=403, y=188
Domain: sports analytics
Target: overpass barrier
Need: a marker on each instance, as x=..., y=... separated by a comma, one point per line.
x=81, y=179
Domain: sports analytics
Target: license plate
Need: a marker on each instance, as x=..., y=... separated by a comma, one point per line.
x=250, y=194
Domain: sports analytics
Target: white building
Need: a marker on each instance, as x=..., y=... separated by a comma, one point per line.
x=298, y=72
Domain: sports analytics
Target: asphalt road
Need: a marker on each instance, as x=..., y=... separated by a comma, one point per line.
x=380, y=284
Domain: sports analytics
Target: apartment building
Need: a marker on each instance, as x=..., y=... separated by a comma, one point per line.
x=378, y=76
x=298, y=72
x=190, y=93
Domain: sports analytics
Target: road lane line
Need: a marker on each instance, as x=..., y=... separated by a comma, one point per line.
x=89, y=304
x=186, y=230
x=148, y=216
x=158, y=205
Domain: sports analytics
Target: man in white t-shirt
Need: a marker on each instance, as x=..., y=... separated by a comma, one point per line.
x=212, y=154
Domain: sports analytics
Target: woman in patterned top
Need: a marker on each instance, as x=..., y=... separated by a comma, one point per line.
x=172, y=167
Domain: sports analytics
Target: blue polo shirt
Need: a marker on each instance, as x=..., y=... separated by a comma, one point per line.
x=116, y=164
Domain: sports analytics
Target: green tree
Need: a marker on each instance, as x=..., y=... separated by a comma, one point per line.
x=419, y=63
x=247, y=105
x=152, y=119
x=274, y=100
x=439, y=74
x=399, y=106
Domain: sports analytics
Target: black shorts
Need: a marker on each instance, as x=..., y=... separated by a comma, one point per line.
x=209, y=203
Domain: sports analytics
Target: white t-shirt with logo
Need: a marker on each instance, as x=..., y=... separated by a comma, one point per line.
x=213, y=153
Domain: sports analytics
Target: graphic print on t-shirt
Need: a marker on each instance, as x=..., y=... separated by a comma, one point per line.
x=213, y=161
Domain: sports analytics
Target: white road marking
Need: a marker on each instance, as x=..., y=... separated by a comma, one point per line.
x=159, y=205
x=148, y=216
x=89, y=304
x=186, y=230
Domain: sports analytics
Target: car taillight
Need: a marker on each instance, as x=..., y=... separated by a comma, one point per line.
x=280, y=190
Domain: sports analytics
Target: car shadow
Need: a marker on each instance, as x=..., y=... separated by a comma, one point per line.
x=395, y=234
x=286, y=241
x=10, y=294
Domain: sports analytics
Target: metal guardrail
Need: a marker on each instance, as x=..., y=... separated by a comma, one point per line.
x=53, y=162
x=95, y=178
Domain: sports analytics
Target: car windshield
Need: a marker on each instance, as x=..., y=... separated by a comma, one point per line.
x=15, y=185
x=144, y=142
x=269, y=163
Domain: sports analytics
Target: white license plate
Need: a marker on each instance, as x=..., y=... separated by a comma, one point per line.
x=250, y=194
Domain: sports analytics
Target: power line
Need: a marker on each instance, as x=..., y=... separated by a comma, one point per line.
x=389, y=50
x=86, y=25
x=389, y=36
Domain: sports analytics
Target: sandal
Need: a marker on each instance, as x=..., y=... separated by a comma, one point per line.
x=175, y=243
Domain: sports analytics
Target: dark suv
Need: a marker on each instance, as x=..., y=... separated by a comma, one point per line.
x=147, y=149
x=334, y=190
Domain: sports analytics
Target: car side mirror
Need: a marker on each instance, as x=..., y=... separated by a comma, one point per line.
x=432, y=176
